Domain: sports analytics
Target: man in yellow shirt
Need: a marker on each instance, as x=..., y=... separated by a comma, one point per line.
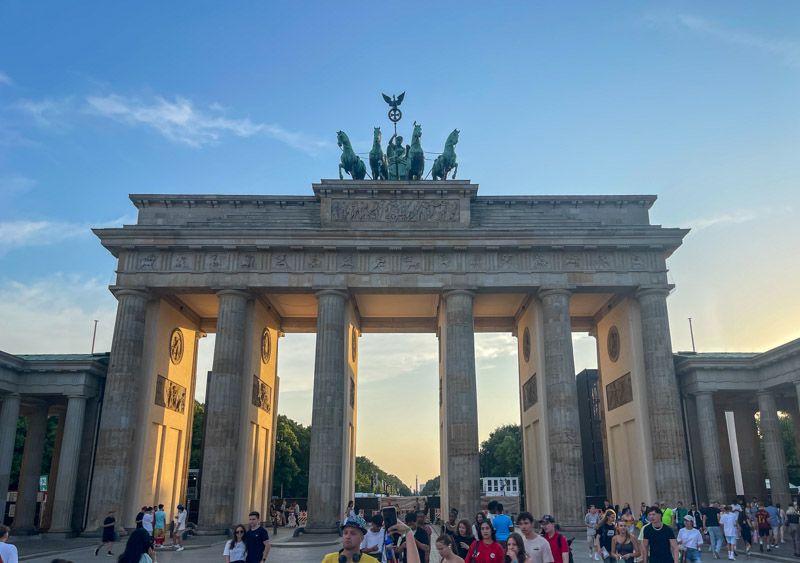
x=353, y=531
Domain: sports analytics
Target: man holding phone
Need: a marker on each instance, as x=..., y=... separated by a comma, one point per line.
x=374, y=541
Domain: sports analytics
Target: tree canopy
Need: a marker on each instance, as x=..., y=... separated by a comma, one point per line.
x=372, y=479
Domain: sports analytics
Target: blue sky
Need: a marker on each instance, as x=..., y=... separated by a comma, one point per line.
x=695, y=102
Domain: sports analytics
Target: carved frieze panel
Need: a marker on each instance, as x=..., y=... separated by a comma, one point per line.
x=394, y=211
x=170, y=395
x=619, y=392
x=262, y=395
x=394, y=261
x=530, y=393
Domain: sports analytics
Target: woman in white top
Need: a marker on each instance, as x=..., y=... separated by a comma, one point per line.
x=690, y=540
x=235, y=549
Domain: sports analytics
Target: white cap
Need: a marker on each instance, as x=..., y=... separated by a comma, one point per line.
x=689, y=517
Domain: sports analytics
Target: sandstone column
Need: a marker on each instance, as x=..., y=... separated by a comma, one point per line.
x=9, y=414
x=223, y=413
x=749, y=450
x=663, y=402
x=69, y=456
x=709, y=443
x=25, y=517
x=325, y=473
x=461, y=397
x=113, y=470
x=561, y=395
x=46, y=517
x=773, y=449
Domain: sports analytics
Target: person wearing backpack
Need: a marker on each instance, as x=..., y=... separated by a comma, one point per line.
x=558, y=543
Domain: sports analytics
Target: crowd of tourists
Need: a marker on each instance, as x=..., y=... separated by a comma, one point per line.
x=616, y=534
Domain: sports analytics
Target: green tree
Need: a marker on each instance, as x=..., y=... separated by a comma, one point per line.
x=789, y=446
x=291, y=458
x=370, y=479
x=198, y=427
x=431, y=487
x=501, y=453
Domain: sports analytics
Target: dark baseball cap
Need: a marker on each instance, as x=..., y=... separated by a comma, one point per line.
x=547, y=519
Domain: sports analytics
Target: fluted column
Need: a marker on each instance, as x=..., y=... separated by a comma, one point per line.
x=773, y=449
x=459, y=386
x=69, y=456
x=9, y=414
x=561, y=394
x=748, y=441
x=113, y=468
x=223, y=413
x=670, y=464
x=325, y=477
x=31, y=469
x=709, y=443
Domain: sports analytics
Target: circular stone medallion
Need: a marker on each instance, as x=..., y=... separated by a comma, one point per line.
x=176, y=346
x=526, y=345
x=612, y=344
x=266, y=346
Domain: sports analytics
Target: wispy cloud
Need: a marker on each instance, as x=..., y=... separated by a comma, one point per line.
x=5, y=79
x=736, y=216
x=49, y=112
x=180, y=121
x=23, y=233
x=61, y=306
x=786, y=50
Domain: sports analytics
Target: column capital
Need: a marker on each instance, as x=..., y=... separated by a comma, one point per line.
x=765, y=393
x=647, y=290
x=449, y=292
x=141, y=292
x=548, y=291
x=238, y=291
x=703, y=393
x=337, y=291
x=76, y=396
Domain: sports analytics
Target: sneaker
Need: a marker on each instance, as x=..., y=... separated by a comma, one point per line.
x=96, y=551
x=716, y=555
x=109, y=554
x=180, y=548
x=761, y=547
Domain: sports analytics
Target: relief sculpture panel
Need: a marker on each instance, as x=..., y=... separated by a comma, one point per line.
x=395, y=211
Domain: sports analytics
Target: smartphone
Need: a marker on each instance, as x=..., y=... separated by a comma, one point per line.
x=389, y=517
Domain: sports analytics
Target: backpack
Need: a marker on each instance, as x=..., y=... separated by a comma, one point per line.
x=569, y=546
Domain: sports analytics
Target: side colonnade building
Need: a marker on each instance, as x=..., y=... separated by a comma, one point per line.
x=388, y=256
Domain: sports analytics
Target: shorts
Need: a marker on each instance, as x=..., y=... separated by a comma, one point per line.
x=693, y=555
x=731, y=539
x=776, y=531
x=590, y=535
x=763, y=532
x=747, y=534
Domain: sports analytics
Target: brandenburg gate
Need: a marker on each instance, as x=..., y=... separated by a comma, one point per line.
x=383, y=256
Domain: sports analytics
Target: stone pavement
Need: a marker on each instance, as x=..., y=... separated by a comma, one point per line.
x=306, y=549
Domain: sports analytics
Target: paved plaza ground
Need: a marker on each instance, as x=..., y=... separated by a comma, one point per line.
x=308, y=549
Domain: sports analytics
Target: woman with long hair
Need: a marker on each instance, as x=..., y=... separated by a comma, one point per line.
x=139, y=548
x=624, y=547
x=463, y=538
x=235, y=548
x=480, y=517
x=515, y=549
x=606, y=530
x=487, y=549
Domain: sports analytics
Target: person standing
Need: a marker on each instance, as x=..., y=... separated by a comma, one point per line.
x=350, y=511
x=606, y=530
x=109, y=534
x=445, y=545
x=139, y=517
x=666, y=513
x=711, y=525
x=697, y=515
x=793, y=524
x=781, y=523
x=503, y=525
x=590, y=520
x=762, y=522
x=730, y=528
x=746, y=529
x=515, y=549
x=774, y=523
x=462, y=538
x=147, y=520
x=536, y=546
x=680, y=512
x=624, y=547
x=353, y=531
x=659, y=544
x=256, y=540
x=8, y=552
x=558, y=543
x=690, y=540
x=375, y=539
x=139, y=548
x=421, y=539
x=480, y=517
x=235, y=549
x=487, y=549
x=179, y=526
x=160, y=531
x=275, y=522
x=449, y=527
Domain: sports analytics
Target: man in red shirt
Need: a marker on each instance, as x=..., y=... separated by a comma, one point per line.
x=558, y=543
x=762, y=521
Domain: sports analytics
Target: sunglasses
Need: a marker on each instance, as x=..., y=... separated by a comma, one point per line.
x=239, y=532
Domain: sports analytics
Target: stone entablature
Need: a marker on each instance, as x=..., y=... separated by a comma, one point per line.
x=53, y=374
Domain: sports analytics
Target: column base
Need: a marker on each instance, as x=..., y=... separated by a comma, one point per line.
x=27, y=531
x=321, y=530
x=211, y=531
x=63, y=535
